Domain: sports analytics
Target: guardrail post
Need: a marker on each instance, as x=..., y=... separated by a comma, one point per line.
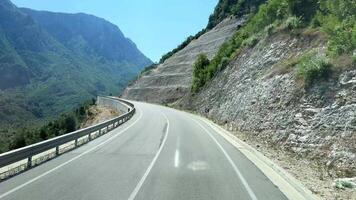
x=29, y=162
x=76, y=142
x=89, y=137
x=57, y=150
x=99, y=132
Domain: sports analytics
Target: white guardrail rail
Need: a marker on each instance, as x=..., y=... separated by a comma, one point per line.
x=19, y=160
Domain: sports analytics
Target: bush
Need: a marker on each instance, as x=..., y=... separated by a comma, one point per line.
x=270, y=29
x=200, y=72
x=251, y=41
x=18, y=142
x=224, y=62
x=312, y=68
x=69, y=123
x=303, y=9
x=337, y=18
x=343, y=39
x=292, y=23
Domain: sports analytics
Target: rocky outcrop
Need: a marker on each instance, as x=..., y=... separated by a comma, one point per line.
x=256, y=95
x=172, y=79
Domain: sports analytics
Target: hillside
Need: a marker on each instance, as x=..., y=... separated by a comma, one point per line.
x=51, y=62
x=172, y=79
x=284, y=82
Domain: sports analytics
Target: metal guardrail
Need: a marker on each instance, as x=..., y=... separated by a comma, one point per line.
x=28, y=152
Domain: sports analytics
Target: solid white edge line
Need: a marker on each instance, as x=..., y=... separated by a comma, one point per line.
x=71, y=160
x=237, y=171
x=286, y=183
x=148, y=170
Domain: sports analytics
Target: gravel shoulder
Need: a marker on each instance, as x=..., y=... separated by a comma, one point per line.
x=310, y=173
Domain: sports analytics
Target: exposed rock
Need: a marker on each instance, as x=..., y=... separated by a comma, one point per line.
x=318, y=123
x=172, y=80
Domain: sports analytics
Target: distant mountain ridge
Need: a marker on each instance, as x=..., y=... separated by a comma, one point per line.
x=96, y=35
x=51, y=62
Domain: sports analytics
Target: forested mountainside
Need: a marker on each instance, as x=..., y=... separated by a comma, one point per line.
x=284, y=81
x=51, y=62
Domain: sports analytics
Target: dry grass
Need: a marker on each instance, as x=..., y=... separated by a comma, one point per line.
x=284, y=67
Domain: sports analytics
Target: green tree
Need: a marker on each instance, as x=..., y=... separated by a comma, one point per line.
x=305, y=9
x=200, y=72
x=70, y=123
x=18, y=142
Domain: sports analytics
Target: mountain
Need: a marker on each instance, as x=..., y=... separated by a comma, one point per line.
x=90, y=35
x=51, y=62
x=172, y=79
x=284, y=81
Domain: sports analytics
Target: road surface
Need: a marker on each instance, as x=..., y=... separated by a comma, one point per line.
x=160, y=154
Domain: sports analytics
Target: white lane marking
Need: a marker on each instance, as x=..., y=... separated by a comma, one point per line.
x=286, y=183
x=237, y=171
x=71, y=160
x=176, y=158
x=140, y=183
x=176, y=154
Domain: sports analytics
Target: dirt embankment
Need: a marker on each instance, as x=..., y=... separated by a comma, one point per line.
x=98, y=114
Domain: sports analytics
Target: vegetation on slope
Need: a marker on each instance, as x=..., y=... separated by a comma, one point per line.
x=68, y=122
x=224, y=9
x=51, y=62
x=335, y=17
x=312, y=67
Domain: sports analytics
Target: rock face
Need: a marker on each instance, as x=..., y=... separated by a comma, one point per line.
x=172, y=80
x=255, y=95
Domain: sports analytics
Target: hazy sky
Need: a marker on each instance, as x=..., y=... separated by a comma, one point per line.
x=156, y=26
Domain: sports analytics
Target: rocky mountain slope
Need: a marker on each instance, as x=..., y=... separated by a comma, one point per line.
x=172, y=79
x=285, y=82
x=51, y=62
x=258, y=98
x=254, y=95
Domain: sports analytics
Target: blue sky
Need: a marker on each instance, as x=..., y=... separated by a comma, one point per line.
x=156, y=26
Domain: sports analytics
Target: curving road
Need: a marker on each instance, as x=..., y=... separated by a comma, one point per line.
x=160, y=154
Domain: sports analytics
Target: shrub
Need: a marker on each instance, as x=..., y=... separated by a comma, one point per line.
x=304, y=9
x=337, y=18
x=270, y=29
x=354, y=58
x=292, y=23
x=312, y=68
x=18, y=142
x=224, y=62
x=200, y=72
x=251, y=41
x=343, y=39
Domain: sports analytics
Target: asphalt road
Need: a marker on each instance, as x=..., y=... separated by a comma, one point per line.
x=160, y=154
